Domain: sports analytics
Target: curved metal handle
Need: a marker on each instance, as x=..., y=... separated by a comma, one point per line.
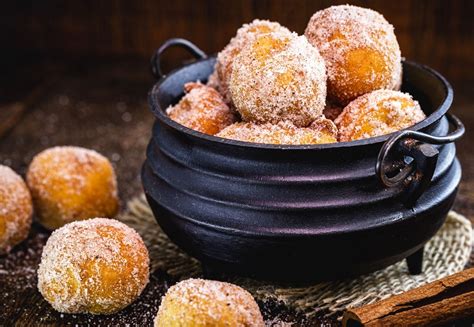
x=183, y=43
x=415, y=174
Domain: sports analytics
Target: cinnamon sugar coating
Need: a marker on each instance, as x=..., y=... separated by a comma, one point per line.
x=96, y=266
x=378, y=113
x=319, y=132
x=199, y=302
x=360, y=49
x=16, y=209
x=278, y=77
x=245, y=35
x=72, y=183
x=202, y=109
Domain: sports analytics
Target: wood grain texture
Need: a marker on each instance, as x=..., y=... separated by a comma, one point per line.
x=436, y=303
x=437, y=33
x=11, y=113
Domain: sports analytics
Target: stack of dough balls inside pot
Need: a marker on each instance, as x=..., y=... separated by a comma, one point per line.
x=338, y=82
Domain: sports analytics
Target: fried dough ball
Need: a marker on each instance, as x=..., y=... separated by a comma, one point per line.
x=279, y=77
x=332, y=111
x=202, y=109
x=319, y=132
x=96, y=266
x=245, y=36
x=360, y=49
x=71, y=183
x=16, y=209
x=199, y=302
x=378, y=113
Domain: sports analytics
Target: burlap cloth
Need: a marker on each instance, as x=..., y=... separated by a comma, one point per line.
x=445, y=254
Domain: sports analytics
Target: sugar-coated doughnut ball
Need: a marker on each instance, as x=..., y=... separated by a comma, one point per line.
x=202, y=109
x=279, y=77
x=319, y=132
x=245, y=35
x=199, y=302
x=360, y=49
x=96, y=266
x=377, y=113
x=71, y=183
x=16, y=209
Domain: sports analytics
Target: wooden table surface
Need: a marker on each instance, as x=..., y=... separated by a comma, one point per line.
x=103, y=106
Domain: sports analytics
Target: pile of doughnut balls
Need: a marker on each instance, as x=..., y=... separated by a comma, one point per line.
x=100, y=265
x=338, y=82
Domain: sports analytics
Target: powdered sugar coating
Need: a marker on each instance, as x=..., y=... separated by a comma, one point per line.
x=319, y=132
x=279, y=77
x=96, y=266
x=16, y=209
x=360, y=49
x=202, y=109
x=378, y=113
x=72, y=183
x=245, y=36
x=199, y=302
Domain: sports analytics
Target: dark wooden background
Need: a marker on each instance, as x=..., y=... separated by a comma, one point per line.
x=438, y=33
x=76, y=72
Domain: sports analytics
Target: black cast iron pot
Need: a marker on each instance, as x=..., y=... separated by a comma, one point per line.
x=307, y=212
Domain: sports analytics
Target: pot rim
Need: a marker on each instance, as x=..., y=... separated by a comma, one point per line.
x=432, y=118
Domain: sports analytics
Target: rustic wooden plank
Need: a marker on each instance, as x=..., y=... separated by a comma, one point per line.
x=12, y=113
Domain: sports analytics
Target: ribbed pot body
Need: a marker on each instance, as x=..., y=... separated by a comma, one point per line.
x=291, y=212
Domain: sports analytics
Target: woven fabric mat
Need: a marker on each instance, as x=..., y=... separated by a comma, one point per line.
x=445, y=254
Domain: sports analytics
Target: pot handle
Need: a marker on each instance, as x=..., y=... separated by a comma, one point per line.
x=416, y=173
x=183, y=43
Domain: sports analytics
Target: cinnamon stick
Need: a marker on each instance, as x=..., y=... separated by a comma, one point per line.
x=436, y=303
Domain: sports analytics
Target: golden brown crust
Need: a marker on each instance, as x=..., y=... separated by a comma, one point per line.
x=16, y=209
x=378, y=113
x=279, y=77
x=202, y=109
x=319, y=132
x=225, y=59
x=360, y=49
x=96, y=266
x=199, y=302
x=72, y=183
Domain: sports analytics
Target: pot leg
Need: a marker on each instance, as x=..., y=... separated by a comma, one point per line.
x=415, y=262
